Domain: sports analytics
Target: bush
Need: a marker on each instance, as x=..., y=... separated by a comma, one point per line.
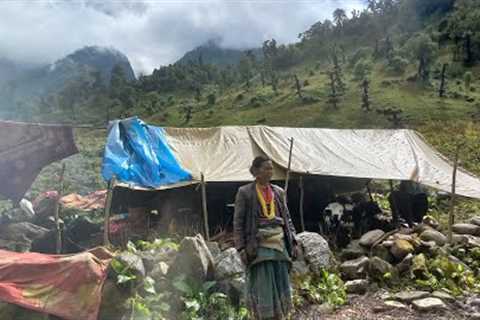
x=455, y=70
x=211, y=99
x=328, y=288
x=398, y=64
x=362, y=69
x=467, y=78
x=363, y=53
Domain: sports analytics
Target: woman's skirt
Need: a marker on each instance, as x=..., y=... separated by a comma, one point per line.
x=268, y=286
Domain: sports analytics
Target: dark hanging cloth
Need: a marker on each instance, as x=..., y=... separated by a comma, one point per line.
x=25, y=149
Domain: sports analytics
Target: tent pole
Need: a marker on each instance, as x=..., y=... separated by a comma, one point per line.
x=108, y=207
x=288, y=171
x=58, y=242
x=451, y=214
x=204, y=206
x=302, y=194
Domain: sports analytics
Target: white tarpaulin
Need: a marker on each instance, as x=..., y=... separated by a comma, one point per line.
x=225, y=154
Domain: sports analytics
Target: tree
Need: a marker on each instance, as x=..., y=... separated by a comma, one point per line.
x=269, y=54
x=424, y=50
x=298, y=86
x=365, y=95
x=245, y=70
x=339, y=17
x=333, y=96
x=468, y=80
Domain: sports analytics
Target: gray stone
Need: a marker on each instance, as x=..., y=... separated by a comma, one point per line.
x=409, y=296
x=133, y=261
x=466, y=228
x=475, y=316
x=369, y=238
x=392, y=304
x=235, y=288
x=214, y=248
x=429, y=304
x=299, y=267
x=316, y=251
x=353, y=251
x=359, y=286
x=193, y=260
x=387, y=243
x=443, y=296
x=354, y=269
x=475, y=221
x=434, y=235
x=405, y=264
x=378, y=268
x=229, y=264
x=382, y=252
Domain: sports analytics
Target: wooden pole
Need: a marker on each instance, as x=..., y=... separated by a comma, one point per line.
x=204, y=206
x=108, y=207
x=302, y=194
x=451, y=214
x=288, y=170
x=58, y=242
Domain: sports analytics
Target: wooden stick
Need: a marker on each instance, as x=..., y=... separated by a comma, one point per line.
x=204, y=206
x=302, y=194
x=108, y=207
x=451, y=214
x=58, y=242
x=288, y=170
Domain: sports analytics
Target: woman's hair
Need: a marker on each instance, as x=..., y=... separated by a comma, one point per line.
x=257, y=164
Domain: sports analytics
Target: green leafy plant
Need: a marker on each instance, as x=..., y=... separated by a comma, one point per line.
x=326, y=288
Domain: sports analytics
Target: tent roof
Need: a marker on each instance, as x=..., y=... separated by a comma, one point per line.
x=224, y=154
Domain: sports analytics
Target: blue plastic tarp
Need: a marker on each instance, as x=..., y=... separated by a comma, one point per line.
x=138, y=154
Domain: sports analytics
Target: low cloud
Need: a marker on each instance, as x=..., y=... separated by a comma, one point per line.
x=152, y=33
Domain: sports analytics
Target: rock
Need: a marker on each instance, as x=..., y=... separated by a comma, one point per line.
x=235, y=288
x=18, y=215
x=193, y=260
x=299, y=267
x=114, y=299
x=214, y=248
x=475, y=221
x=409, y=296
x=419, y=265
x=358, y=286
x=405, y=264
x=466, y=228
x=352, y=251
x=382, y=252
x=429, y=304
x=229, y=265
x=316, y=251
x=19, y=236
x=401, y=236
x=369, y=238
x=355, y=269
x=378, y=268
x=443, y=296
x=459, y=239
x=133, y=261
x=475, y=316
x=430, y=221
x=401, y=248
x=472, y=241
x=434, y=235
x=387, y=243
x=392, y=304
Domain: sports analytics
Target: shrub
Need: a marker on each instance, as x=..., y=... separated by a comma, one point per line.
x=363, y=53
x=398, y=64
x=467, y=78
x=362, y=69
x=211, y=99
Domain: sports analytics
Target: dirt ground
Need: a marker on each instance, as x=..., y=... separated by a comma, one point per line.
x=369, y=307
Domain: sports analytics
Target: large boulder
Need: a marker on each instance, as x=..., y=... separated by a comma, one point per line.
x=355, y=269
x=434, y=235
x=316, y=250
x=19, y=236
x=193, y=260
x=369, y=238
x=466, y=228
x=429, y=304
x=229, y=265
x=401, y=248
x=409, y=296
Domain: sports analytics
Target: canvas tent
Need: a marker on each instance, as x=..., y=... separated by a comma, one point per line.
x=144, y=157
x=224, y=154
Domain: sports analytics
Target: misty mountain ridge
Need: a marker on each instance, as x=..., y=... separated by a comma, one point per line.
x=213, y=53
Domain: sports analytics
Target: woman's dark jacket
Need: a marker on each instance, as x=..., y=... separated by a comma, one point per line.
x=247, y=210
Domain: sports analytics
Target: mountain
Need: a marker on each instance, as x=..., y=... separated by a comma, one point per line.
x=86, y=67
x=212, y=53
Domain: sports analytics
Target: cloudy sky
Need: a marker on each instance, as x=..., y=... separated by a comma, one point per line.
x=152, y=33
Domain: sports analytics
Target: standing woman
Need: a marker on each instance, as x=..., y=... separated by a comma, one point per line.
x=265, y=238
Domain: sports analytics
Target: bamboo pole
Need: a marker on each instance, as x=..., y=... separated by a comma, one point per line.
x=108, y=207
x=58, y=241
x=204, y=206
x=451, y=213
x=287, y=178
x=302, y=194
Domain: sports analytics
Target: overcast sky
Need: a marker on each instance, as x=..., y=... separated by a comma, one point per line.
x=152, y=33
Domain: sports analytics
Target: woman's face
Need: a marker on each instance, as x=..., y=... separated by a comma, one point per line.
x=265, y=172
